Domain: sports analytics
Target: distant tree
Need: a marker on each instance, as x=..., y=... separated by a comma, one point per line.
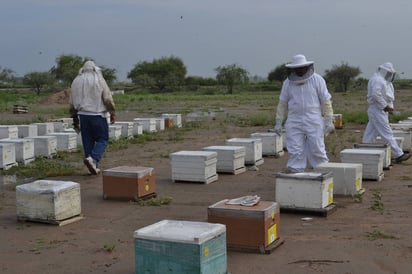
x=7, y=75
x=231, y=75
x=341, y=76
x=108, y=74
x=38, y=80
x=166, y=72
x=279, y=73
x=67, y=67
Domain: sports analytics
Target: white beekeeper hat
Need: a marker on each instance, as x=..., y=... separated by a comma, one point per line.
x=298, y=61
x=388, y=67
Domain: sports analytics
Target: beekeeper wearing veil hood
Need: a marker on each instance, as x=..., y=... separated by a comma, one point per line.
x=381, y=97
x=305, y=103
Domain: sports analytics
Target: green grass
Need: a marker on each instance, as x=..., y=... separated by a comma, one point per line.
x=377, y=234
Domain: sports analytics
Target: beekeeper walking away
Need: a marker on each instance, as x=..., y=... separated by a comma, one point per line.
x=90, y=103
x=306, y=102
x=381, y=97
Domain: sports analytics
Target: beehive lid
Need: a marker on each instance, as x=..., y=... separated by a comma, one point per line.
x=340, y=165
x=264, y=134
x=236, y=149
x=362, y=151
x=244, y=140
x=46, y=186
x=205, y=155
x=370, y=145
x=305, y=175
x=128, y=171
x=180, y=231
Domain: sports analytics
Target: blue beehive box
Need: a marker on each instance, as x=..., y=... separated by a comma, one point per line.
x=182, y=247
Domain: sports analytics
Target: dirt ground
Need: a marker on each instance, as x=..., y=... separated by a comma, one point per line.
x=353, y=239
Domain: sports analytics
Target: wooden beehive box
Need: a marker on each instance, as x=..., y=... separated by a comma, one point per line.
x=176, y=117
x=130, y=182
x=371, y=160
x=272, y=143
x=160, y=123
x=230, y=159
x=7, y=155
x=44, y=128
x=24, y=149
x=8, y=132
x=306, y=190
x=137, y=128
x=387, y=159
x=45, y=145
x=184, y=247
x=347, y=177
x=338, y=121
x=247, y=227
x=148, y=124
x=407, y=135
x=27, y=131
x=194, y=166
x=48, y=201
x=253, y=149
x=127, y=129
x=115, y=132
x=65, y=141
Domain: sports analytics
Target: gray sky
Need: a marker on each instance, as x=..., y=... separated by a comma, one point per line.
x=258, y=35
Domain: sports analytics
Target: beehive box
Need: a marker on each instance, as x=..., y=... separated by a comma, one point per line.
x=306, y=190
x=48, y=201
x=371, y=160
x=26, y=131
x=66, y=141
x=131, y=182
x=7, y=155
x=160, y=123
x=338, y=121
x=247, y=227
x=24, y=149
x=115, y=132
x=44, y=128
x=194, y=166
x=407, y=142
x=176, y=117
x=169, y=122
x=272, y=143
x=347, y=177
x=183, y=247
x=230, y=159
x=387, y=159
x=65, y=123
x=137, y=128
x=8, y=132
x=127, y=129
x=148, y=124
x=45, y=145
x=253, y=149
x=59, y=126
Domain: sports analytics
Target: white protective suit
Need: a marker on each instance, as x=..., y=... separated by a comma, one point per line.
x=380, y=95
x=305, y=125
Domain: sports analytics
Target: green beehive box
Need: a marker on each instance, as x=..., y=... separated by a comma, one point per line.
x=182, y=247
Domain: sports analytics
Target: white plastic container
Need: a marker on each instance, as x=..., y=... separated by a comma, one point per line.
x=347, y=177
x=306, y=190
x=371, y=160
x=272, y=143
x=194, y=166
x=253, y=149
x=48, y=200
x=230, y=159
x=24, y=149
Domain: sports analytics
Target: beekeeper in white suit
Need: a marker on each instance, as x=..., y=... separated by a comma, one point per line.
x=380, y=98
x=306, y=102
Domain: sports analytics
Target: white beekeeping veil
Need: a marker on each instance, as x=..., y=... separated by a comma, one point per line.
x=387, y=71
x=299, y=62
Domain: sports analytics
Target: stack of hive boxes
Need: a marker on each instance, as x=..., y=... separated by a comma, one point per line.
x=253, y=149
x=371, y=160
x=230, y=159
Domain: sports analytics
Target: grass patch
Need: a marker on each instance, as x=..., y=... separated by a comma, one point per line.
x=377, y=204
x=155, y=201
x=377, y=234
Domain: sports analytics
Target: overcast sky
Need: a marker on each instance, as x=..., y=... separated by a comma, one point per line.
x=258, y=35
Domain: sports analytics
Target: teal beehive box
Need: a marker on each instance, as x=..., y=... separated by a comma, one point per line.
x=181, y=247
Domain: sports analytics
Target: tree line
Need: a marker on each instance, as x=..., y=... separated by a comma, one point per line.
x=170, y=73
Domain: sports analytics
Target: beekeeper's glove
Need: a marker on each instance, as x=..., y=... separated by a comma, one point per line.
x=329, y=126
x=278, y=127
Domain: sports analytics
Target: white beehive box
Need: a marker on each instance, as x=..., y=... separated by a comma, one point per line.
x=253, y=149
x=406, y=134
x=48, y=200
x=371, y=160
x=127, y=129
x=137, y=128
x=183, y=247
x=27, y=131
x=230, y=159
x=115, y=132
x=272, y=143
x=176, y=117
x=306, y=190
x=59, y=126
x=160, y=123
x=7, y=155
x=66, y=141
x=347, y=178
x=44, y=128
x=387, y=159
x=24, y=149
x=149, y=124
x=8, y=132
x=45, y=146
x=194, y=166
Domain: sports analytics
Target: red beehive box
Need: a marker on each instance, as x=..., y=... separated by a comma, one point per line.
x=248, y=227
x=132, y=182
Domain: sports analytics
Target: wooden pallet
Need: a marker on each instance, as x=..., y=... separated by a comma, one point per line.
x=259, y=249
x=324, y=212
x=52, y=222
x=20, y=109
